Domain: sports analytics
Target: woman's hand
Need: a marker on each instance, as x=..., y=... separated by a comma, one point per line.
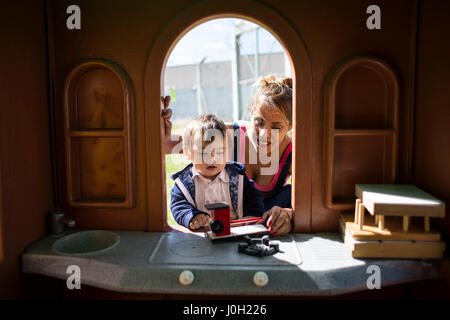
x=166, y=113
x=279, y=220
x=171, y=141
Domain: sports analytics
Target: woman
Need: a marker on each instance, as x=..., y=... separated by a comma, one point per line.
x=264, y=146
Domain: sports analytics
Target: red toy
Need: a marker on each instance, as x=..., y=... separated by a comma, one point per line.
x=220, y=218
x=222, y=228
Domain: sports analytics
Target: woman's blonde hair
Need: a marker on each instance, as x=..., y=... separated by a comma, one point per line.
x=275, y=93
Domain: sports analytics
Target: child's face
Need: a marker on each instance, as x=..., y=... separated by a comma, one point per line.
x=210, y=158
x=270, y=126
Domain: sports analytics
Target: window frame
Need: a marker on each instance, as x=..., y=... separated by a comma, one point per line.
x=295, y=48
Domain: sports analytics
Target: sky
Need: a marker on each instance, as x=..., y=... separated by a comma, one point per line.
x=213, y=40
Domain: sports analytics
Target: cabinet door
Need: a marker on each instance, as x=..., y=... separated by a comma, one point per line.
x=361, y=129
x=99, y=151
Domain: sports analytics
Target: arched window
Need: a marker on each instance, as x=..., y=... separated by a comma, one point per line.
x=214, y=69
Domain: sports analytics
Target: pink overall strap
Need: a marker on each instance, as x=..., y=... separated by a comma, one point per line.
x=242, y=145
x=272, y=184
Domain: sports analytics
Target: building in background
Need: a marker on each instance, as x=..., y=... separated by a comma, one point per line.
x=223, y=87
x=216, y=85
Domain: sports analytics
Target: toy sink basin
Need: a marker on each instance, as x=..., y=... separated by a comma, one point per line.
x=86, y=242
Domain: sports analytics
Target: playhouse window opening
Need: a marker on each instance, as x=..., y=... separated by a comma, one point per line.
x=214, y=69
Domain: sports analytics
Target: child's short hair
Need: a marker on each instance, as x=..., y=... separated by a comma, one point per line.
x=204, y=128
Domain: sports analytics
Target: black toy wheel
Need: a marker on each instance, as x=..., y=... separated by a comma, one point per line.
x=216, y=226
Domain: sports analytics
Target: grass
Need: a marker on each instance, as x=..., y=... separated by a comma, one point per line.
x=174, y=163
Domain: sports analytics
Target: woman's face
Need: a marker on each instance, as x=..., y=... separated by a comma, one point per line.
x=270, y=127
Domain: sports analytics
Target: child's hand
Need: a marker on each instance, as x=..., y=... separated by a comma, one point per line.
x=198, y=221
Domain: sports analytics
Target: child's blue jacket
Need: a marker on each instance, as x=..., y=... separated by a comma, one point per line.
x=246, y=199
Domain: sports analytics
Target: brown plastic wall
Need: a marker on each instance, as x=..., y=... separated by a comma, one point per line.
x=431, y=170
x=25, y=166
x=330, y=31
x=125, y=32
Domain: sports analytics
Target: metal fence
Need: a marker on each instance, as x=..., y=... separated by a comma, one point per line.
x=216, y=87
x=225, y=88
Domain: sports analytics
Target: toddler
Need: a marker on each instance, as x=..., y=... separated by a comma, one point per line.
x=210, y=178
